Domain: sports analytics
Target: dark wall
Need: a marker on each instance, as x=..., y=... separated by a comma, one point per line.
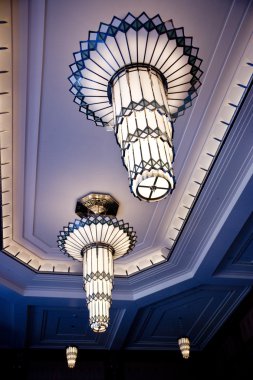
x=43, y=364
x=228, y=355
x=52, y=365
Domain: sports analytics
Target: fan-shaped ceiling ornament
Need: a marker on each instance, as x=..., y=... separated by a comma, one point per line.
x=137, y=75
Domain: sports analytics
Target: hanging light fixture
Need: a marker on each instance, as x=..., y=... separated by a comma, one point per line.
x=184, y=345
x=137, y=75
x=97, y=239
x=71, y=354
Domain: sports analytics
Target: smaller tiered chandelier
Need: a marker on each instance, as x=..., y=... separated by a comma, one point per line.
x=184, y=345
x=71, y=354
x=97, y=239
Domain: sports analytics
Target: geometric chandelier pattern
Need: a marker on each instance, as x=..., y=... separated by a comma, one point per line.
x=97, y=239
x=137, y=75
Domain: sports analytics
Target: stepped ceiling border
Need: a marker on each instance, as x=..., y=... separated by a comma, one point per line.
x=220, y=128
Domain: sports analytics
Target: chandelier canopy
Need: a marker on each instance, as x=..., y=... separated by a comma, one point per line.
x=97, y=239
x=137, y=75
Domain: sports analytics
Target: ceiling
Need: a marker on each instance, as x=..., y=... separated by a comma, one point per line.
x=192, y=264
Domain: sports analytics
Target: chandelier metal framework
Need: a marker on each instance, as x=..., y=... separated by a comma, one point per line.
x=97, y=239
x=137, y=75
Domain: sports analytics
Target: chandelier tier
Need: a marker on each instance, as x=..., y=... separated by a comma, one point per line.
x=143, y=130
x=97, y=239
x=137, y=75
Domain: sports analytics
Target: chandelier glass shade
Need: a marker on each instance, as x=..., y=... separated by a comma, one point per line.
x=98, y=283
x=143, y=130
x=71, y=354
x=137, y=75
x=184, y=345
x=97, y=240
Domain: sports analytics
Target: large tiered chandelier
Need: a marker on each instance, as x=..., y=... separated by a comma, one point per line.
x=137, y=75
x=97, y=239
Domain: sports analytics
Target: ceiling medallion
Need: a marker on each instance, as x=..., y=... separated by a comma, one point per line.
x=137, y=75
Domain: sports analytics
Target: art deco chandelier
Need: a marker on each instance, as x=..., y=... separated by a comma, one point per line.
x=71, y=355
x=97, y=239
x=137, y=75
x=184, y=345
